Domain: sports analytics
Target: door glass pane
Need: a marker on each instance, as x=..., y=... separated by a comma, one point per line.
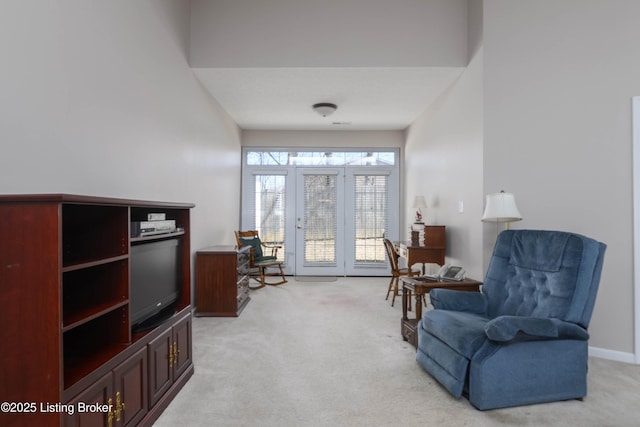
x=270, y=210
x=370, y=218
x=320, y=219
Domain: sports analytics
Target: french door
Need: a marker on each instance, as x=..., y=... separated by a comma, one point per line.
x=319, y=221
x=328, y=219
x=371, y=214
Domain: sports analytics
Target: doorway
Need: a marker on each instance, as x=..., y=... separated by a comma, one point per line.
x=329, y=211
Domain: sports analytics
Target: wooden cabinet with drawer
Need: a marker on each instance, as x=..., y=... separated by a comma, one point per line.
x=222, y=281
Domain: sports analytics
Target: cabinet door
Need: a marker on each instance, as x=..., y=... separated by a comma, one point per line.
x=99, y=393
x=130, y=380
x=182, y=345
x=160, y=368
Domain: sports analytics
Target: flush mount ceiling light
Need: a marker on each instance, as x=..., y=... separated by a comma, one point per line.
x=325, y=108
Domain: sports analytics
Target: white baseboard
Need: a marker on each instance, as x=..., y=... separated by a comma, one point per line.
x=614, y=355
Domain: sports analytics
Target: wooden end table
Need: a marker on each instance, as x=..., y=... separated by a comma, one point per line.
x=419, y=286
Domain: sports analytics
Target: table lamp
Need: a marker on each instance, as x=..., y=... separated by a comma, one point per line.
x=419, y=203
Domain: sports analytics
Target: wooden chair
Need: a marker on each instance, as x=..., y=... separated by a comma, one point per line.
x=259, y=260
x=396, y=271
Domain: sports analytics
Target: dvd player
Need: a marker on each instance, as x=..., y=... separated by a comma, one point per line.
x=150, y=228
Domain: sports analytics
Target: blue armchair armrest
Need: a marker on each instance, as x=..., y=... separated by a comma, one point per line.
x=506, y=328
x=450, y=299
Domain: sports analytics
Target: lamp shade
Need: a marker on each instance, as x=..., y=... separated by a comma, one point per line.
x=419, y=202
x=501, y=207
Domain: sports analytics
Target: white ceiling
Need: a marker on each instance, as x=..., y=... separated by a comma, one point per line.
x=367, y=98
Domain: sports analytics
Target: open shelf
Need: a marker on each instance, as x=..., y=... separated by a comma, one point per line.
x=91, y=233
x=75, y=370
x=93, y=291
x=156, y=237
x=90, y=344
x=90, y=314
x=95, y=263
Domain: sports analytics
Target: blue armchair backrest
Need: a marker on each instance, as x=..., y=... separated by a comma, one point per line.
x=539, y=273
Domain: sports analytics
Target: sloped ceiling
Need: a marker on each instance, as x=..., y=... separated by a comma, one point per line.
x=367, y=98
x=382, y=63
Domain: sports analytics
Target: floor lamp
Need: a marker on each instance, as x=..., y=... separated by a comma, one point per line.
x=501, y=207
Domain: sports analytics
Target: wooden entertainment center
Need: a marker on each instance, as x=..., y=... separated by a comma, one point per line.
x=69, y=354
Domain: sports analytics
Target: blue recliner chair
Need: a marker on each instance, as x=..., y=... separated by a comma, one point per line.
x=524, y=338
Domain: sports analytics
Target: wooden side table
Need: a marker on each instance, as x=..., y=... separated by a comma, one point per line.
x=420, y=286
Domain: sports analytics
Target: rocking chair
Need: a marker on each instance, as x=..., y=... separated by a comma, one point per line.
x=259, y=260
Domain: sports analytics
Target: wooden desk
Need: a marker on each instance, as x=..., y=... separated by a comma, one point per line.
x=420, y=286
x=431, y=250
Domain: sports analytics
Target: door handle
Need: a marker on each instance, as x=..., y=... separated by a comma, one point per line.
x=299, y=227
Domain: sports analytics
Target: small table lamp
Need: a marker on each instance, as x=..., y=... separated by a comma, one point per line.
x=419, y=203
x=501, y=207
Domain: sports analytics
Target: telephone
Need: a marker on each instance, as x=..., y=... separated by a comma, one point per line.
x=451, y=272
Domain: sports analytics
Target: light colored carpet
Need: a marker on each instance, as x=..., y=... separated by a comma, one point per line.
x=315, y=278
x=330, y=354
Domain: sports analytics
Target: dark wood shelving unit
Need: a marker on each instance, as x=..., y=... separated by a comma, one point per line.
x=65, y=279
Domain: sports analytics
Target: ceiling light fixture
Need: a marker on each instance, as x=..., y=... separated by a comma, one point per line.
x=325, y=108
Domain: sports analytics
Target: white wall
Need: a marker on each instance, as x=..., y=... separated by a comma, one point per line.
x=324, y=139
x=328, y=33
x=443, y=162
x=98, y=99
x=559, y=77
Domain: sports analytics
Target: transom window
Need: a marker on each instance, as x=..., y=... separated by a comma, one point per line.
x=319, y=158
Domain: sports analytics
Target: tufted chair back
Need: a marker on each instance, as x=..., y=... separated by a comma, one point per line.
x=544, y=274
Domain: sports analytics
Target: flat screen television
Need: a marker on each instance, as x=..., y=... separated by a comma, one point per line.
x=155, y=281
